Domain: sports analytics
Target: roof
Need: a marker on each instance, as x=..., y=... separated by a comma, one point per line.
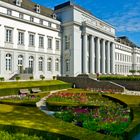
x=126, y=41
x=69, y=3
x=29, y=5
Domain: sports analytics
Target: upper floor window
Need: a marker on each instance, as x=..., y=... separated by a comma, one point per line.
x=21, y=38
x=57, y=44
x=9, y=12
x=41, y=41
x=9, y=35
x=41, y=21
x=67, y=42
x=18, y=2
x=31, y=40
x=32, y=19
x=49, y=24
x=49, y=43
x=20, y=15
x=37, y=8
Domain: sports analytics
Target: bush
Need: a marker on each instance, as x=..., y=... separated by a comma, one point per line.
x=17, y=78
x=1, y=78
x=125, y=78
x=31, y=77
x=54, y=77
x=42, y=77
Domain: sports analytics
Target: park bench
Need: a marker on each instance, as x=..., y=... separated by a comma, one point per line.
x=24, y=91
x=35, y=90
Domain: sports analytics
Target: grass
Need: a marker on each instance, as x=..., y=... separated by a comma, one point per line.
x=19, y=84
x=34, y=118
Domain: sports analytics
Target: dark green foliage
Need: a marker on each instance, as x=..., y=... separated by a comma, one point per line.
x=125, y=78
x=31, y=77
x=1, y=78
x=17, y=78
x=42, y=77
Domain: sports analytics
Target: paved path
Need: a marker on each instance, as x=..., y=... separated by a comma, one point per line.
x=42, y=103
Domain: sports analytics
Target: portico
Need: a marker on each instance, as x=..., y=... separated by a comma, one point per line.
x=97, y=55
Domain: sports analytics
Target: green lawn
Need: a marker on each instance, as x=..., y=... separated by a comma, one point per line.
x=31, y=117
x=19, y=84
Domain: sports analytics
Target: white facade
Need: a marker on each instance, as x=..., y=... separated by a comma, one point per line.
x=92, y=44
x=28, y=46
x=30, y=42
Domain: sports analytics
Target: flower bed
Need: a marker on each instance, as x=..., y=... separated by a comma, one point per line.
x=91, y=111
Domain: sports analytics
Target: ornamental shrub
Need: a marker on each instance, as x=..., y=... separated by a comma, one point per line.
x=1, y=78
x=42, y=77
x=18, y=78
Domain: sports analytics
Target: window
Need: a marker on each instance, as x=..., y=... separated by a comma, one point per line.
x=20, y=15
x=41, y=21
x=49, y=64
x=31, y=64
x=31, y=40
x=20, y=60
x=37, y=8
x=18, y=2
x=9, y=35
x=49, y=43
x=67, y=65
x=41, y=41
x=57, y=44
x=40, y=64
x=49, y=24
x=32, y=19
x=58, y=27
x=8, y=62
x=57, y=65
x=67, y=42
x=21, y=38
x=9, y=12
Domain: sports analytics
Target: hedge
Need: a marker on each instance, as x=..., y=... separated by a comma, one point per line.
x=31, y=132
x=13, y=91
x=126, y=78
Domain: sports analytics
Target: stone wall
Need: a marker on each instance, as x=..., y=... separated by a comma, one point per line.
x=85, y=82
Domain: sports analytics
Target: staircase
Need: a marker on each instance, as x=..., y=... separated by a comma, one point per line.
x=22, y=76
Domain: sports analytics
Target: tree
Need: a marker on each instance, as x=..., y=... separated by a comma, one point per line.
x=138, y=71
x=132, y=71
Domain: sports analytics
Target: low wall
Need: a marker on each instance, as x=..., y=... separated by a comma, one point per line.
x=86, y=82
x=130, y=85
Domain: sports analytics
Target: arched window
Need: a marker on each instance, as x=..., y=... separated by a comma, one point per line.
x=40, y=63
x=57, y=65
x=49, y=64
x=8, y=62
x=31, y=62
x=67, y=65
x=20, y=60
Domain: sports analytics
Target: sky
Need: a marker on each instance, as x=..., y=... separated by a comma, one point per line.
x=124, y=15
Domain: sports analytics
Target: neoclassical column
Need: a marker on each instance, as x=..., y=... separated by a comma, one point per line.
x=112, y=58
x=85, y=65
x=92, y=55
x=108, y=57
x=97, y=55
x=103, y=56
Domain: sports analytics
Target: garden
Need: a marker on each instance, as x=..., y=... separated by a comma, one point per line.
x=78, y=114
x=90, y=110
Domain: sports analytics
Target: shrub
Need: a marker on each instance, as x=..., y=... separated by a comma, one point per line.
x=17, y=78
x=1, y=78
x=42, y=77
x=54, y=77
x=31, y=77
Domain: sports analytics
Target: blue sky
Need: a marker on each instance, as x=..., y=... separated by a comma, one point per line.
x=124, y=15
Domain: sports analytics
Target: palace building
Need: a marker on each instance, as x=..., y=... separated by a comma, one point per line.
x=68, y=40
